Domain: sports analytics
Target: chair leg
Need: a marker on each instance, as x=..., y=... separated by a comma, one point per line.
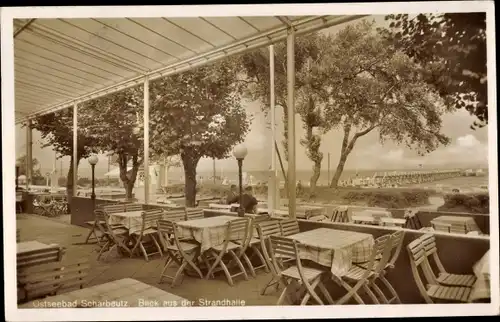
x=379, y=292
x=239, y=263
x=325, y=292
x=249, y=264
x=218, y=258
x=351, y=292
x=103, y=249
x=395, y=296
x=272, y=282
x=143, y=251
x=179, y=273
x=310, y=292
x=157, y=245
x=257, y=252
x=370, y=294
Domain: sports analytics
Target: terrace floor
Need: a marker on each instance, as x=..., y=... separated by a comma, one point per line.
x=115, y=267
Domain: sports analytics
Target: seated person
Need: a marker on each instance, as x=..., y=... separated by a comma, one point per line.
x=248, y=201
x=231, y=194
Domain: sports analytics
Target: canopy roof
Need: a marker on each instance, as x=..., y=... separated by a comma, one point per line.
x=60, y=62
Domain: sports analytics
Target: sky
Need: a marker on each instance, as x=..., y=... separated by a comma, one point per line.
x=468, y=148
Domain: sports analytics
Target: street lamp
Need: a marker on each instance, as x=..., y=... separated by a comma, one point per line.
x=93, y=161
x=240, y=152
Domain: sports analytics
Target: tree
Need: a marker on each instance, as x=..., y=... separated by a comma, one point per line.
x=452, y=46
x=308, y=102
x=197, y=114
x=57, y=131
x=36, y=175
x=117, y=127
x=369, y=85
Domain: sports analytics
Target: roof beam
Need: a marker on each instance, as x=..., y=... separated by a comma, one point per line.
x=26, y=25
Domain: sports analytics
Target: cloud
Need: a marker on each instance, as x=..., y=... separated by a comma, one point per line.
x=468, y=141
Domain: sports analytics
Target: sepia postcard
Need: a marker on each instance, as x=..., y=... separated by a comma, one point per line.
x=250, y=161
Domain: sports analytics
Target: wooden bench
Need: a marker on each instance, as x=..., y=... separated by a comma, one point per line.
x=52, y=279
x=40, y=256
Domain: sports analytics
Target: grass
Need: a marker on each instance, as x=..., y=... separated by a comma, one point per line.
x=471, y=203
x=372, y=197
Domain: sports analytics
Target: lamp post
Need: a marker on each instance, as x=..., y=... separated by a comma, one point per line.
x=93, y=161
x=240, y=152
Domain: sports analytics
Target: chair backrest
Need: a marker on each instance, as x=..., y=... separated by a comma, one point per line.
x=380, y=253
x=397, y=239
x=238, y=230
x=175, y=215
x=165, y=230
x=340, y=214
x=194, y=213
x=150, y=218
x=440, y=226
x=110, y=209
x=133, y=207
x=419, y=262
x=280, y=247
x=54, y=278
x=18, y=235
x=429, y=243
x=289, y=227
x=39, y=257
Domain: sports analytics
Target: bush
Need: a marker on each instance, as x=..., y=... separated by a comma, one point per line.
x=472, y=203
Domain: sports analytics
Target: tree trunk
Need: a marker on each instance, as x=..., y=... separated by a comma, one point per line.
x=69, y=182
x=128, y=180
x=314, y=178
x=190, y=163
x=338, y=172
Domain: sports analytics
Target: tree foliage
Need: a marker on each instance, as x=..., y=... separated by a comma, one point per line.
x=257, y=77
x=57, y=132
x=370, y=85
x=115, y=124
x=197, y=114
x=452, y=47
x=36, y=175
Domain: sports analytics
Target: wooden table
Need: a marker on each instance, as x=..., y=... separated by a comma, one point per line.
x=468, y=223
x=126, y=292
x=334, y=248
x=208, y=232
x=481, y=290
x=32, y=245
x=132, y=220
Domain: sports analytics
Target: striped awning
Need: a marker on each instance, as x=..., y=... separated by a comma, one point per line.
x=60, y=62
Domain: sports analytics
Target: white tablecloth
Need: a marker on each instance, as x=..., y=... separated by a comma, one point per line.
x=467, y=222
x=482, y=288
x=132, y=220
x=209, y=232
x=334, y=248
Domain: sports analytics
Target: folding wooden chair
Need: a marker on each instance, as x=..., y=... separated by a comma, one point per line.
x=183, y=253
x=363, y=278
x=440, y=226
x=148, y=231
x=340, y=215
x=431, y=290
x=94, y=231
x=115, y=237
x=133, y=207
x=255, y=244
x=174, y=215
x=397, y=239
x=54, y=278
x=289, y=227
x=18, y=235
x=443, y=277
x=264, y=231
x=194, y=213
x=296, y=276
x=235, y=244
